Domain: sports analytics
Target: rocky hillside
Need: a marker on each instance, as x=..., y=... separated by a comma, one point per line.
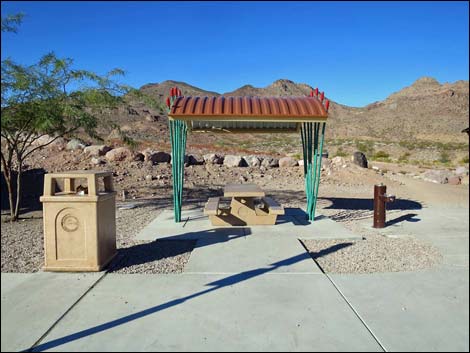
x=426, y=110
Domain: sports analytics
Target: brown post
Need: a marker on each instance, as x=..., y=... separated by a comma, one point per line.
x=380, y=200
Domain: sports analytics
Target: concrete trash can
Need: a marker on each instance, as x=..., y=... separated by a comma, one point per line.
x=79, y=222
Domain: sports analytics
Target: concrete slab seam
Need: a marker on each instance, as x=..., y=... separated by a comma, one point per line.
x=30, y=349
x=265, y=274
x=349, y=304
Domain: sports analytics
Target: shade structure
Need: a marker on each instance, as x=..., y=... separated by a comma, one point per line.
x=250, y=114
x=253, y=114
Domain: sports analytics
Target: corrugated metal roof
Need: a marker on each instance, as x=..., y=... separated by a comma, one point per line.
x=248, y=108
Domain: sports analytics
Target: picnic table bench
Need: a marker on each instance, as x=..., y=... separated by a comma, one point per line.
x=249, y=206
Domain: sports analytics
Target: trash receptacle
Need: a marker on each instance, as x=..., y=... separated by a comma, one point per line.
x=79, y=221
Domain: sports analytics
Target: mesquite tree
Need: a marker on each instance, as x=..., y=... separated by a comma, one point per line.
x=49, y=98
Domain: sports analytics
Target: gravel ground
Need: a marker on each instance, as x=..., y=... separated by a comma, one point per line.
x=22, y=245
x=376, y=254
x=161, y=256
x=23, y=249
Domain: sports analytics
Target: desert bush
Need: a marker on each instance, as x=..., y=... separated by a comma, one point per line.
x=381, y=155
x=444, y=157
x=366, y=147
x=340, y=152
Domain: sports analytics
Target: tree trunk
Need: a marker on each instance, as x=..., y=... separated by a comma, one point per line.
x=9, y=182
x=18, y=191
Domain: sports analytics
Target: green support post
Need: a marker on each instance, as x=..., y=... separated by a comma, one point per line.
x=178, y=132
x=312, y=144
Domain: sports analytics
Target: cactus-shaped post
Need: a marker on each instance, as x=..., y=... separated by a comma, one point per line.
x=178, y=132
x=313, y=135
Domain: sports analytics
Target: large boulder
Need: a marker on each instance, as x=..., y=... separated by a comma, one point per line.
x=138, y=157
x=287, y=162
x=119, y=154
x=96, y=150
x=191, y=160
x=97, y=160
x=464, y=180
x=360, y=159
x=59, y=142
x=269, y=162
x=162, y=157
x=338, y=161
x=437, y=176
x=75, y=144
x=454, y=180
x=156, y=157
x=252, y=161
x=213, y=158
x=461, y=171
x=233, y=161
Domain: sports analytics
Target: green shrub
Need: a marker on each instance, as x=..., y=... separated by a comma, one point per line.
x=340, y=152
x=404, y=156
x=381, y=154
x=366, y=147
x=444, y=157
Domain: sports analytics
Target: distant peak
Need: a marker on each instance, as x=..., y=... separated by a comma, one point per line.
x=426, y=81
x=283, y=81
x=246, y=86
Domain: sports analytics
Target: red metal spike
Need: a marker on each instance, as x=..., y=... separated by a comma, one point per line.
x=172, y=91
x=316, y=92
x=311, y=93
x=322, y=96
x=327, y=104
x=168, y=102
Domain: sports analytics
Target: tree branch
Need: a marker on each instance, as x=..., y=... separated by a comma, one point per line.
x=44, y=145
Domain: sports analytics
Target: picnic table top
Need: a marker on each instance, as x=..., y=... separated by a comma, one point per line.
x=243, y=190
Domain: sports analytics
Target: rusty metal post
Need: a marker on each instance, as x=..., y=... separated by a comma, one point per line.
x=380, y=201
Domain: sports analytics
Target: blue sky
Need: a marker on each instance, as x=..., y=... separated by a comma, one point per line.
x=357, y=52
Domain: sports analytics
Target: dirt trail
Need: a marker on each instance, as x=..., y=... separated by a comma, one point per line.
x=431, y=194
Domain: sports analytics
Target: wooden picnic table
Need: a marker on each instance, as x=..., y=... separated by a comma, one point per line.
x=243, y=208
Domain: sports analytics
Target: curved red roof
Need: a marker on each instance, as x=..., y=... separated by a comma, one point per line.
x=248, y=108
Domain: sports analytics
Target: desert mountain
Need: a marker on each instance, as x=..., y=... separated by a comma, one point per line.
x=426, y=110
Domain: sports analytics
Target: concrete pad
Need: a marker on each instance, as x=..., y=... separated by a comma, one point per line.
x=164, y=226
x=415, y=311
x=243, y=312
x=217, y=254
x=451, y=245
x=444, y=228
x=31, y=303
x=321, y=229
x=430, y=221
x=292, y=225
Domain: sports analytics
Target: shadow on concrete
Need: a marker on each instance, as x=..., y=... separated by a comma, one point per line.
x=349, y=209
x=407, y=217
x=173, y=246
x=329, y=250
x=149, y=252
x=225, y=282
x=340, y=203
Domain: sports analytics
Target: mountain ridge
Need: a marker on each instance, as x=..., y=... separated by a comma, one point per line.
x=426, y=109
